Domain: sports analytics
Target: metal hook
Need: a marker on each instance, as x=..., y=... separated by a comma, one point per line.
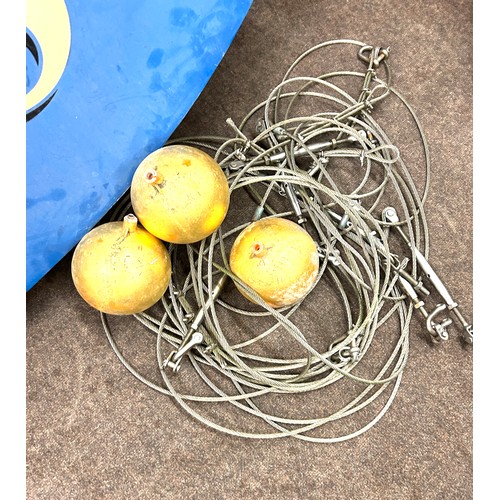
x=376, y=54
x=361, y=53
x=332, y=257
x=192, y=339
x=437, y=330
x=349, y=353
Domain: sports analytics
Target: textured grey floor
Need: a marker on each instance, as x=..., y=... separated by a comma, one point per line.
x=95, y=432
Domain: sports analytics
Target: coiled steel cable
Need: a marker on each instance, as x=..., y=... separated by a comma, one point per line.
x=279, y=164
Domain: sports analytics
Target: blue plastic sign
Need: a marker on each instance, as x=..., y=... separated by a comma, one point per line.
x=106, y=84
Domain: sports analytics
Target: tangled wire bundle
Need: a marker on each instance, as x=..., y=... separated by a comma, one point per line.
x=314, y=153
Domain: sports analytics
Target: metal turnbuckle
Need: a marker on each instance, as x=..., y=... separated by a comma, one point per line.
x=438, y=331
x=193, y=337
x=389, y=214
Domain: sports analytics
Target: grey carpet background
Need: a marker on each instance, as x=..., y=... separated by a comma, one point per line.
x=94, y=432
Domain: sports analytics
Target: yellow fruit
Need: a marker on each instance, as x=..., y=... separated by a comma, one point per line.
x=120, y=268
x=180, y=194
x=277, y=259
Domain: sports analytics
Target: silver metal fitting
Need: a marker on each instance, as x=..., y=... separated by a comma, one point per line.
x=193, y=338
x=438, y=331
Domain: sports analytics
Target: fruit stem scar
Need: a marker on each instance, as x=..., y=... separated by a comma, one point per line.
x=151, y=176
x=258, y=249
x=129, y=224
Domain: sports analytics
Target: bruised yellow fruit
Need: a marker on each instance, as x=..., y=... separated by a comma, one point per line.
x=277, y=259
x=180, y=194
x=120, y=268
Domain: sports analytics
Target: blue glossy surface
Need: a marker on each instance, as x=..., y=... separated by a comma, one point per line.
x=133, y=72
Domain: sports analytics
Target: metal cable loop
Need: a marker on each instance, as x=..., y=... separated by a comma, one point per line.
x=282, y=169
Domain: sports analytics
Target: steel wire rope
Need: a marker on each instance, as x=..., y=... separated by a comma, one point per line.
x=363, y=275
